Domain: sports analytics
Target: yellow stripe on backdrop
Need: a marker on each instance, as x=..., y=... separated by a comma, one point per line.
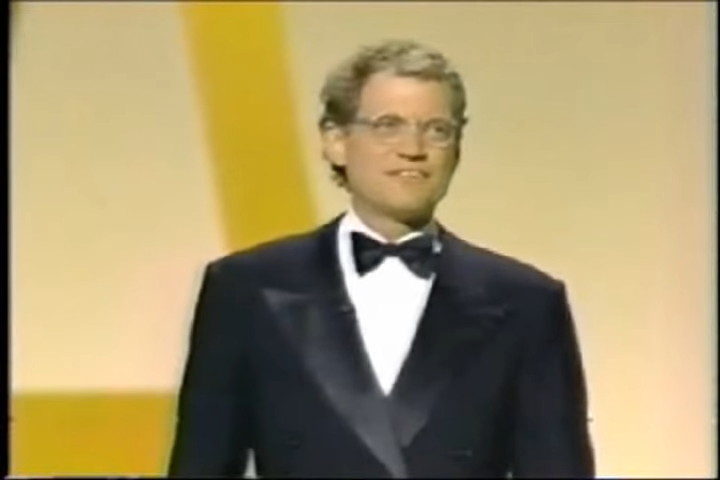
x=238, y=54
x=243, y=77
x=90, y=433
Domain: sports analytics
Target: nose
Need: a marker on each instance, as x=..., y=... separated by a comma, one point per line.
x=412, y=146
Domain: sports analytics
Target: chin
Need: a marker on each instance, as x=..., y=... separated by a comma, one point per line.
x=413, y=213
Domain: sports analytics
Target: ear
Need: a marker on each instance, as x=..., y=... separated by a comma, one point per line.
x=458, y=153
x=333, y=140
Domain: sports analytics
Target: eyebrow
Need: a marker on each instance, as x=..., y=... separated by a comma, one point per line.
x=378, y=116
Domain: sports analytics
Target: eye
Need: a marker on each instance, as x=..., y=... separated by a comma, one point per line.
x=440, y=129
x=388, y=124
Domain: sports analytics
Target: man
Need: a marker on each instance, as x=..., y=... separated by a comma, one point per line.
x=381, y=345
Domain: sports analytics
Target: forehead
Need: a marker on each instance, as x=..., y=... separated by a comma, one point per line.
x=408, y=96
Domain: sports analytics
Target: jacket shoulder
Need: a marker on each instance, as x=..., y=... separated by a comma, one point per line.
x=506, y=270
x=266, y=256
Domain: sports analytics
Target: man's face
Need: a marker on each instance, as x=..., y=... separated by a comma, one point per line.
x=405, y=174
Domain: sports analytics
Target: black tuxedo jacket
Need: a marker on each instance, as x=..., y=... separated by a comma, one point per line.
x=493, y=384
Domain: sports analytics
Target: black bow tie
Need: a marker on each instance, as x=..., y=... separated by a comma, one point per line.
x=417, y=254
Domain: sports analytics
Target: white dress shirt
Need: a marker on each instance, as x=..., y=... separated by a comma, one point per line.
x=389, y=301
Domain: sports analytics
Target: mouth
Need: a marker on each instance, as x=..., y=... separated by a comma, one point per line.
x=409, y=173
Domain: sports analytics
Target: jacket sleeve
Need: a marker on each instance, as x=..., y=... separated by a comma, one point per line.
x=212, y=422
x=551, y=437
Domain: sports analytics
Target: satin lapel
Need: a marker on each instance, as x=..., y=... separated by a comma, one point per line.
x=320, y=322
x=459, y=319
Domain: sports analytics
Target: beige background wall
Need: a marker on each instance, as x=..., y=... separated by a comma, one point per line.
x=589, y=153
x=113, y=209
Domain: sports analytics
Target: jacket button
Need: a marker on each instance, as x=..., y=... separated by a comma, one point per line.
x=292, y=441
x=462, y=453
x=346, y=309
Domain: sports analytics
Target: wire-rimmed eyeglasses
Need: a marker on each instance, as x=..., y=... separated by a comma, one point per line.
x=389, y=129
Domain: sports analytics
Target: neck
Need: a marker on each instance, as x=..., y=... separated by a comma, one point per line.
x=391, y=229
